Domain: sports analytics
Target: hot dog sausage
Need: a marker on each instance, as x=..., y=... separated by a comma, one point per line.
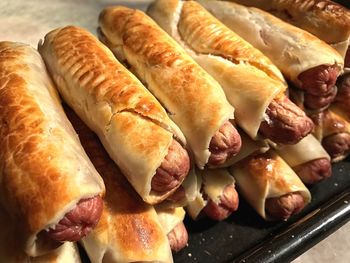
x=178, y=195
x=228, y=203
x=178, y=237
x=343, y=96
x=337, y=145
x=319, y=80
x=286, y=123
x=225, y=143
x=314, y=171
x=316, y=102
x=173, y=169
x=79, y=221
x=281, y=208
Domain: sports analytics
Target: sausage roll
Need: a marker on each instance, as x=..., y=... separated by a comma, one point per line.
x=333, y=130
x=307, y=158
x=195, y=206
x=270, y=186
x=12, y=252
x=312, y=103
x=342, y=99
x=217, y=197
x=184, y=194
x=325, y=19
x=308, y=62
x=171, y=220
x=132, y=125
x=129, y=229
x=249, y=147
x=252, y=84
x=48, y=184
x=194, y=100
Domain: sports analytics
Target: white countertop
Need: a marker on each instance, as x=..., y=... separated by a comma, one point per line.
x=29, y=21
x=334, y=249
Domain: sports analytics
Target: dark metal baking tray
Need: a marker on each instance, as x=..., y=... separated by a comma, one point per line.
x=245, y=237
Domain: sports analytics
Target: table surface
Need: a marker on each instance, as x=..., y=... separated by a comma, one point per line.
x=335, y=249
x=29, y=21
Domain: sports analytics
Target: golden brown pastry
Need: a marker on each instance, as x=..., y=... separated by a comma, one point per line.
x=252, y=84
x=132, y=125
x=308, y=62
x=270, y=186
x=171, y=220
x=216, y=195
x=129, y=229
x=333, y=130
x=194, y=100
x=307, y=158
x=49, y=187
x=11, y=252
x=325, y=19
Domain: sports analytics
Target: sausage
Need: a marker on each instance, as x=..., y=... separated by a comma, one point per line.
x=337, y=145
x=225, y=143
x=228, y=203
x=178, y=237
x=172, y=170
x=282, y=207
x=314, y=171
x=317, y=118
x=315, y=102
x=343, y=96
x=319, y=80
x=286, y=123
x=79, y=221
x=178, y=195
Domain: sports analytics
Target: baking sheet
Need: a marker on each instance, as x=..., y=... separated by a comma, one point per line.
x=244, y=237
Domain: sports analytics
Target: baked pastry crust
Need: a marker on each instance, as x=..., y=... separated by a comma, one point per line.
x=291, y=49
x=195, y=101
x=132, y=125
x=266, y=176
x=323, y=18
x=308, y=149
x=44, y=170
x=129, y=229
x=11, y=251
x=248, y=77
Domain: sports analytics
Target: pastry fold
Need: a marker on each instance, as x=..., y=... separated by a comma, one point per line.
x=195, y=206
x=334, y=120
x=12, y=252
x=333, y=130
x=194, y=100
x=266, y=176
x=210, y=185
x=308, y=149
x=169, y=218
x=325, y=19
x=132, y=125
x=44, y=170
x=249, y=78
x=249, y=147
x=129, y=229
x=291, y=49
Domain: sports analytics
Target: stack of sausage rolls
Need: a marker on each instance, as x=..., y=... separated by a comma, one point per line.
x=180, y=110
x=325, y=23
